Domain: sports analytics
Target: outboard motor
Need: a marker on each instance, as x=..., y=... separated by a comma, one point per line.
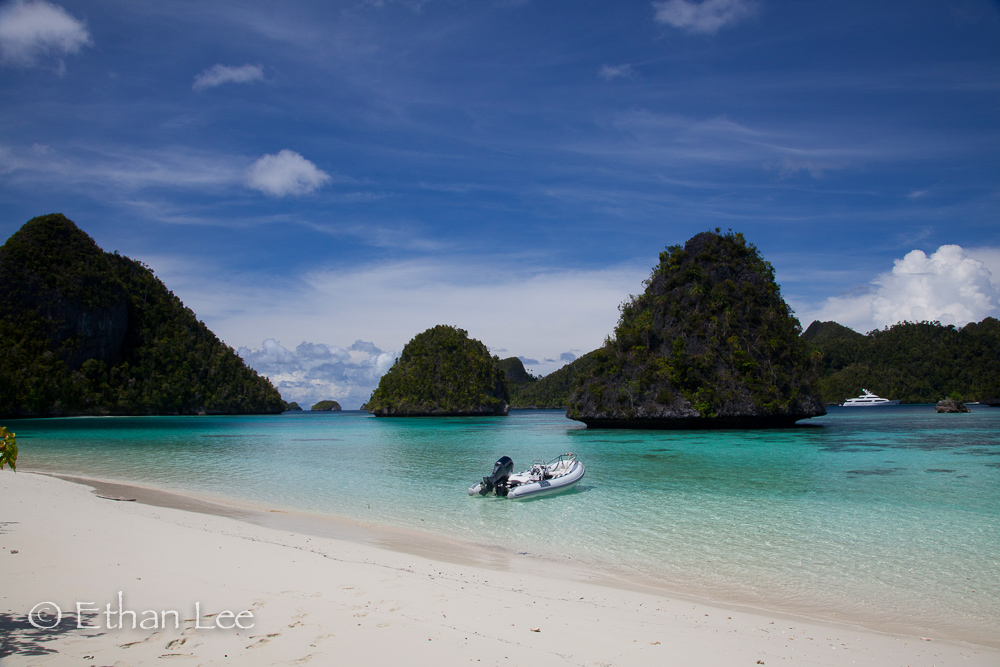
x=498, y=480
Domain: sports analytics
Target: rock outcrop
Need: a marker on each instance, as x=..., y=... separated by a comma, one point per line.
x=951, y=405
x=326, y=406
x=709, y=344
x=442, y=372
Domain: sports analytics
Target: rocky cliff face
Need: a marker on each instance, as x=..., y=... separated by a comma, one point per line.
x=442, y=372
x=709, y=344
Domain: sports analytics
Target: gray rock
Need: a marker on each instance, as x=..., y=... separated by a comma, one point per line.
x=949, y=405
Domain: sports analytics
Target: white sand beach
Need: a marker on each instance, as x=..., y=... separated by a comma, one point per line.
x=222, y=589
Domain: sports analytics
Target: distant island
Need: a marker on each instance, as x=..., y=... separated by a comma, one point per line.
x=549, y=392
x=916, y=362
x=442, y=372
x=710, y=343
x=326, y=406
x=86, y=332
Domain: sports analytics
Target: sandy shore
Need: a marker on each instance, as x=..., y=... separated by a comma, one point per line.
x=237, y=587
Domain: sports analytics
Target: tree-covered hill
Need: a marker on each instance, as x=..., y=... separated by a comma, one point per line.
x=513, y=369
x=85, y=332
x=442, y=372
x=551, y=391
x=916, y=362
x=710, y=343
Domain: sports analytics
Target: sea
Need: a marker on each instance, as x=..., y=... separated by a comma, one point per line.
x=885, y=517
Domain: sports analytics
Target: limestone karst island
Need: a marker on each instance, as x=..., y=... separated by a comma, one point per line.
x=442, y=372
x=86, y=332
x=709, y=344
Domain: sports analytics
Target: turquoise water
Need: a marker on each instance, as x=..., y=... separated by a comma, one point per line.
x=889, y=517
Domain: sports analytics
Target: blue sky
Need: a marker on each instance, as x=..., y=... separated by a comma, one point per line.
x=320, y=181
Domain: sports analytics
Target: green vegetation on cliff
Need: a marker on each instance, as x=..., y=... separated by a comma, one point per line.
x=916, y=362
x=551, y=391
x=326, y=406
x=83, y=331
x=442, y=372
x=513, y=369
x=710, y=343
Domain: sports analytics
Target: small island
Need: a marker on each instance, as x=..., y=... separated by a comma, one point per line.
x=709, y=344
x=326, y=406
x=442, y=373
x=950, y=405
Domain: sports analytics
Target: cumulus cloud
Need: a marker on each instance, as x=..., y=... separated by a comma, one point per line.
x=285, y=173
x=35, y=30
x=216, y=75
x=948, y=286
x=706, y=16
x=316, y=371
x=513, y=309
x=612, y=72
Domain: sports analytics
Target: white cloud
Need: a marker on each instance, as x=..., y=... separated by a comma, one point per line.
x=121, y=169
x=949, y=286
x=31, y=31
x=538, y=314
x=216, y=75
x=285, y=173
x=315, y=371
x=675, y=140
x=705, y=17
x=612, y=72
x=990, y=257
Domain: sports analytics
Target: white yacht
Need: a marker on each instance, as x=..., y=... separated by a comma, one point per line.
x=868, y=399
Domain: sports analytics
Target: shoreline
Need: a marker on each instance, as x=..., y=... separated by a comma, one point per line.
x=73, y=545
x=449, y=549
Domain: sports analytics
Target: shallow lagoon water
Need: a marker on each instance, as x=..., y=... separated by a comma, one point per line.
x=888, y=517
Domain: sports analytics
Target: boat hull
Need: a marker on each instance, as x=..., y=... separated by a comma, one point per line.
x=880, y=404
x=547, y=486
x=541, y=487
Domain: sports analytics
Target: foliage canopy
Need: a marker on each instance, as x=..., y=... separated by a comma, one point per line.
x=709, y=343
x=83, y=331
x=8, y=449
x=442, y=372
x=916, y=362
x=551, y=391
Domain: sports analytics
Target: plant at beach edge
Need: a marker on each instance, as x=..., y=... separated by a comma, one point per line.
x=8, y=448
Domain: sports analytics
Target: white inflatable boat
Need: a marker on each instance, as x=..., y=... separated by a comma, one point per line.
x=558, y=474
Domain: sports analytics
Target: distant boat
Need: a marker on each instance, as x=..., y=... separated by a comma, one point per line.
x=868, y=399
